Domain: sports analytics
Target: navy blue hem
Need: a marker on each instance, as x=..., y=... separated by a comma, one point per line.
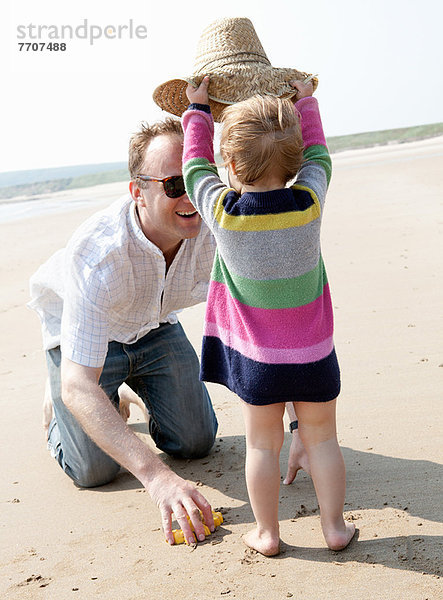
x=196, y=106
x=262, y=383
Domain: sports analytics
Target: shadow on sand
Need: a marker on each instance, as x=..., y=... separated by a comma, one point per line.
x=411, y=487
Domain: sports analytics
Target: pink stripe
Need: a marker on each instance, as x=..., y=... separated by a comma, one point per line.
x=270, y=355
x=198, y=127
x=311, y=125
x=271, y=328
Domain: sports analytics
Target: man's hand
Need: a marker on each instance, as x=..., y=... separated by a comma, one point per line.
x=172, y=494
x=298, y=459
x=303, y=89
x=198, y=95
x=93, y=410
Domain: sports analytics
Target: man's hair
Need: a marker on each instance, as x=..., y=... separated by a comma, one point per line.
x=262, y=136
x=141, y=139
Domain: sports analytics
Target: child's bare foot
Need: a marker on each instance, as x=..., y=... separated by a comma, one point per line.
x=339, y=539
x=264, y=543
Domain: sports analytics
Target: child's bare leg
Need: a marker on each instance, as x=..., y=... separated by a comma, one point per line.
x=264, y=439
x=318, y=432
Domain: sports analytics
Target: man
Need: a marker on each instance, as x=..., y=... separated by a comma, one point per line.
x=107, y=305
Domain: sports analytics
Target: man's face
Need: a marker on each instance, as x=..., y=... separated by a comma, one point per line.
x=165, y=221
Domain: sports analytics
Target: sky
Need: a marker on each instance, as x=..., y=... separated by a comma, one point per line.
x=378, y=62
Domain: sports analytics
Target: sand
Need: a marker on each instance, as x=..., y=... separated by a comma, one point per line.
x=382, y=248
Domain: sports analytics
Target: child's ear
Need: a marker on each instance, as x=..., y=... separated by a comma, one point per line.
x=232, y=167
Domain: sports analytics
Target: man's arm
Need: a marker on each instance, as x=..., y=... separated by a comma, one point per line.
x=100, y=420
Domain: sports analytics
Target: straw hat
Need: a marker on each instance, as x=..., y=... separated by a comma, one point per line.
x=230, y=52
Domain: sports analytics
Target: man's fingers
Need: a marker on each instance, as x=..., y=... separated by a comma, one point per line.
x=194, y=515
x=194, y=508
x=206, y=510
x=298, y=459
x=200, y=513
x=185, y=526
x=183, y=523
x=290, y=475
x=185, y=502
x=167, y=528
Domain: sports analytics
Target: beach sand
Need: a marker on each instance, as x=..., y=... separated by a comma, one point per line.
x=382, y=247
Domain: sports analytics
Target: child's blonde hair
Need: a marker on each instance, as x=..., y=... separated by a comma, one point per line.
x=262, y=136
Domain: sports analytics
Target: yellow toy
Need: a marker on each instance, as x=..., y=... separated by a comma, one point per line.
x=179, y=537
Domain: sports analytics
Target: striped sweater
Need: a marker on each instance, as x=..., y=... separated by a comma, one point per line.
x=268, y=333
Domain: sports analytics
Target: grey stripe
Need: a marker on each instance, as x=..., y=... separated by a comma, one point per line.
x=313, y=176
x=271, y=254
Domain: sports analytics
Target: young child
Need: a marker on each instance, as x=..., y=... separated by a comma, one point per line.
x=269, y=327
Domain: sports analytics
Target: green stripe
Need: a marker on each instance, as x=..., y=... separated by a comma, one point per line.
x=193, y=170
x=275, y=293
x=320, y=155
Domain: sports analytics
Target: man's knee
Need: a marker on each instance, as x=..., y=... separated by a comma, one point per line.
x=88, y=476
x=189, y=444
x=197, y=441
x=197, y=446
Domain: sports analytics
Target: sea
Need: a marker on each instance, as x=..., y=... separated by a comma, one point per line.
x=57, y=202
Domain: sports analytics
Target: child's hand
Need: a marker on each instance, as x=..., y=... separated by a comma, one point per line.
x=303, y=89
x=198, y=95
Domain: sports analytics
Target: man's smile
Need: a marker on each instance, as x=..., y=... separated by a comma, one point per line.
x=186, y=214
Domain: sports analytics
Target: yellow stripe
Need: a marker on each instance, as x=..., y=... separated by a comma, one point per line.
x=284, y=220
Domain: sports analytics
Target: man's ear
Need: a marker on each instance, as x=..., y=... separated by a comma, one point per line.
x=136, y=193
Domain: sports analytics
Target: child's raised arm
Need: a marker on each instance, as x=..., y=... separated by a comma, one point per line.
x=198, y=95
x=315, y=148
x=303, y=89
x=202, y=183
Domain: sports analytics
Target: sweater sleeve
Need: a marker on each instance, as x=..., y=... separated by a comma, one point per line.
x=315, y=173
x=313, y=137
x=202, y=182
x=198, y=127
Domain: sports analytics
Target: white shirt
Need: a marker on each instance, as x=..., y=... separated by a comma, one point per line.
x=110, y=284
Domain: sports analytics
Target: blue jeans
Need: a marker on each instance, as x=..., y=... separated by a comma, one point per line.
x=163, y=369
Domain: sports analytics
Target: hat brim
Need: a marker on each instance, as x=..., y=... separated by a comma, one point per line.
x=229, y=88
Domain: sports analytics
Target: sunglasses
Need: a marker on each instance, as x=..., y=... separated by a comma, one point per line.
x=174, y=186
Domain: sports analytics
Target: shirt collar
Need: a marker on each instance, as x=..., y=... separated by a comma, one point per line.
x=136, y=230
